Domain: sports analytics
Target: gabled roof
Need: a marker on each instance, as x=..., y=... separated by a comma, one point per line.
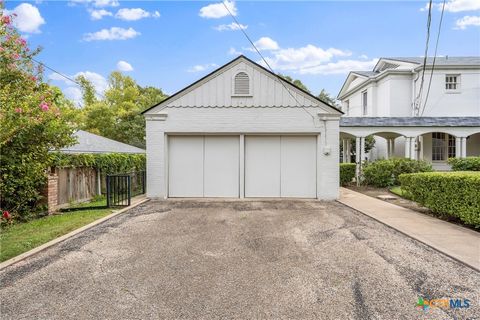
x=92, y=143
x=410, y=122
x=214, y=73
x=441, y=61
x=406, y=64
x=366, y=73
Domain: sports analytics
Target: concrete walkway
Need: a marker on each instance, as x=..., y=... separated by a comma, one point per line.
x=455, y=241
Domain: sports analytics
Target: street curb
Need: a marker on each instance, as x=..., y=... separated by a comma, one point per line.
x=412, y=237
x=53, y=242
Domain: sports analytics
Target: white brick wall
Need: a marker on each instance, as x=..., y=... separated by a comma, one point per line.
x=242, y=120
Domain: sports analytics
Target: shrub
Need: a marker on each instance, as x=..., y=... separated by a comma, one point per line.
x=35, y=118
x=448, y=194
x=465, y=164
x=384, y=173
x=347, y=173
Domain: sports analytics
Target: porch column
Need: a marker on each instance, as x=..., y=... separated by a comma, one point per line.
x=407, y=147
x=344, y=150
x=464, y=147
x=362, y=149
x=349, y=147
x=392, y=154
x=413, y=151
x=458, y=147
x=358, y=159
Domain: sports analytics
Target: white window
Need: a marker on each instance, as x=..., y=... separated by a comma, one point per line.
x=438, y=146
x=364, y=103
x=241, y=84
x=452, y=82
x=346, y=108
x=443, y=146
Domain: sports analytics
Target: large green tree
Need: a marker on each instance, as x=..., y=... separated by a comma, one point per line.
x=35, y=118
x=296, y=82
x=117, y=114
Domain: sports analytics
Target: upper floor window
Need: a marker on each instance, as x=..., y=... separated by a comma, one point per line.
x=347, y=107
x=452, y=82
x=364, y=103
x=241, y=84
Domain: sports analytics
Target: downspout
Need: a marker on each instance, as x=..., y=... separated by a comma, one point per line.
x=414, y=93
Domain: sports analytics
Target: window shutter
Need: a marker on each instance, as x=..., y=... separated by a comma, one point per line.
x=242, y=84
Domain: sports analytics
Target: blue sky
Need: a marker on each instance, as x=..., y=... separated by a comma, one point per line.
x=171, y=44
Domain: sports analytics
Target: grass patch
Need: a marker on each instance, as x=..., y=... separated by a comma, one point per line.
x=21, y=237
x=398, y=191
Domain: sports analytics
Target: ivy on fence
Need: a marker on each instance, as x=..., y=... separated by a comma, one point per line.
x=107, y=163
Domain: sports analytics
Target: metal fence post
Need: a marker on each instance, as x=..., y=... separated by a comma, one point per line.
x=129, y=189
x=108, y=190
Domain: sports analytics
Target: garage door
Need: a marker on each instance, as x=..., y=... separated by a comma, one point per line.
x=203, y=166
x=280, y=166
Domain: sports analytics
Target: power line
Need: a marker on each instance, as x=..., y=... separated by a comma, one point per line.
x=64, y=76
x=420, y=91
x=434, y=58
x=266, y=62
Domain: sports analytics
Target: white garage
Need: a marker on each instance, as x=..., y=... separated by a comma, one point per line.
x=242, y=132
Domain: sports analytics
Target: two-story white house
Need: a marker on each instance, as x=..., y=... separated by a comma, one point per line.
x=414, y=113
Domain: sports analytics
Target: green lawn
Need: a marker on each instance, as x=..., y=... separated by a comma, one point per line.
x=22, y=237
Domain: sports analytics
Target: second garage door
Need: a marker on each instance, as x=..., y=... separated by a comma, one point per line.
x=280, y=166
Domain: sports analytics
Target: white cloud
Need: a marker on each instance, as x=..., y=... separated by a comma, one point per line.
x=217, y=10
x=74, y=94
x=202, y=67
x=28, y=18
x=234, y=51
x=99, y=14
x=135, y=14
x=73, y=91
x=467, y=21
x=230, y=27
x=363, y=56
x=106, y=3
x=456, y=5
x=266, y=43
x=114, y=33
x=304, y=57
x=339, y=67
x=96, y=3
x=124, y=66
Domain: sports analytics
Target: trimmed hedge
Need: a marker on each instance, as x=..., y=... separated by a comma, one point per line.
x=347, y=173
x=384, y=173
x=448, y=194
x=465, y=164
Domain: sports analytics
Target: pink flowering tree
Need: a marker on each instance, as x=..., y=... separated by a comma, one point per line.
x=35, y=118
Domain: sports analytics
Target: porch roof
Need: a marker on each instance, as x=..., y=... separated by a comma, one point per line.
x=410, y=122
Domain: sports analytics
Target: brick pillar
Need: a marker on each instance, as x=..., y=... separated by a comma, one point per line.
x=52, y=192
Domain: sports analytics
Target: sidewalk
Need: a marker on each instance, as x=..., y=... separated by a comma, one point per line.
x=455, y=241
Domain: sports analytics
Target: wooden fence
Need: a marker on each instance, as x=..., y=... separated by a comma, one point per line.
x=76, y=185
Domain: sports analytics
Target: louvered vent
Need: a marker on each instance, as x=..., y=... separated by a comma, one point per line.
x=242, y=84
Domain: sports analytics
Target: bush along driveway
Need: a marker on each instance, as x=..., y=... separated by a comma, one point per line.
x=238, y=259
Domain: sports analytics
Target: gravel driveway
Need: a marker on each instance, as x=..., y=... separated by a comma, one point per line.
x=205, y=259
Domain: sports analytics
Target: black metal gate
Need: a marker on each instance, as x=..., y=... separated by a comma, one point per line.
x=119, y=190
x=122, y=187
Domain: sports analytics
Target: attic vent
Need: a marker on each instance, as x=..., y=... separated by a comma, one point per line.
x=241, y=84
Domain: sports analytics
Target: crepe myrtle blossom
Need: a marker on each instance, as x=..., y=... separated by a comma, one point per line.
x=44, y=106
